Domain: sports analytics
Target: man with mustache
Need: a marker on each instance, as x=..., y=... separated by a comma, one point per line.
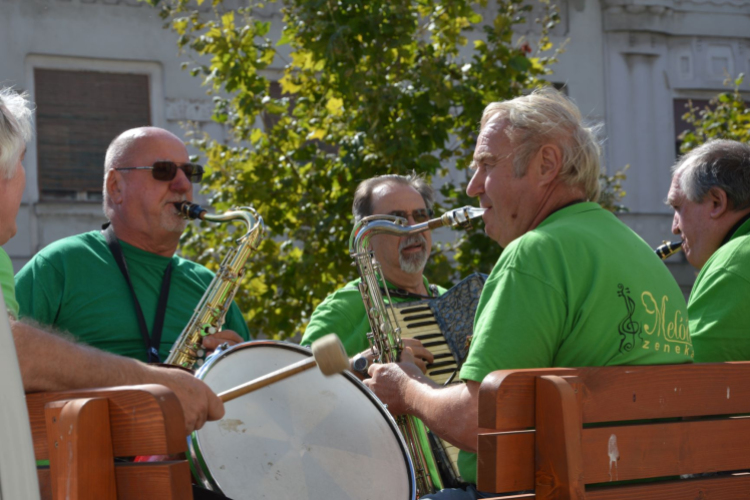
x=123, y=289
x=710, y=195
x=402, y=259
x=573, y=287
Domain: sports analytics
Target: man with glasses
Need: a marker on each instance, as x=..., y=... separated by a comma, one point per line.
x=123, y=289
x=402, y=259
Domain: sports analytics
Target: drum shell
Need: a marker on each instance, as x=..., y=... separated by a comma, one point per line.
x=308, y=436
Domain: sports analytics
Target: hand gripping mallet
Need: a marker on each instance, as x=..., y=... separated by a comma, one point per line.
x=328, y=354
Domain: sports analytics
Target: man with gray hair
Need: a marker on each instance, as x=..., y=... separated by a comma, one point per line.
x=402, y=260
x=123, y=289
x=48, y=361
x=710, y=195
x=574, y=286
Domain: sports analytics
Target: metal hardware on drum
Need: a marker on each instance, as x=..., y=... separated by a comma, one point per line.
x=385, y=337
x=213, y=307
x=328, y=354
x=668, y=249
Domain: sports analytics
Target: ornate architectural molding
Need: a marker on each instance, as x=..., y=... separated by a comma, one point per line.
x=196, y=110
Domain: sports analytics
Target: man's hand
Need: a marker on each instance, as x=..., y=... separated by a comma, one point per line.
x=392, y=382
x=421, y=356
x=211, y=342
x=199, y=403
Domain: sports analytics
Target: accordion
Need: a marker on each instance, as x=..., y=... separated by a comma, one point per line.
x=444, y=325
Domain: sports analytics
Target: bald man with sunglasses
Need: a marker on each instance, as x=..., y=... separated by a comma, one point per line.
x=402, y=260
x=123, y=289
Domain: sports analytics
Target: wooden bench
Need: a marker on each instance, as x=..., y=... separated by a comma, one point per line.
x=81, y=433
x=566, y=434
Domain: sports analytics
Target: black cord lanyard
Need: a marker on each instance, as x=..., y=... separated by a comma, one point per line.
x=152, y=342
x=403, y=294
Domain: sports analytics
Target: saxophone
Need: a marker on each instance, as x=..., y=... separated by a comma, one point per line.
x=385, y=334
x=213, y=307
x=668, y=249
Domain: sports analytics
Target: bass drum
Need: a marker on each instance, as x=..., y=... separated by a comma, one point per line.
x=305, y=437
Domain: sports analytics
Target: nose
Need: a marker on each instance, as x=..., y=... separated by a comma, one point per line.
x=181, y=184
x=476, y=184
x=676, y=224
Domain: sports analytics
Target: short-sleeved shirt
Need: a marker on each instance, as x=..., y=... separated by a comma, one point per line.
x=6, y=282
x=581, y=289
x=75, y=285
x=343, y=313
x=719, y=305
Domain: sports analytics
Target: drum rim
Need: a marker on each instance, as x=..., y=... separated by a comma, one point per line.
x=195, y=457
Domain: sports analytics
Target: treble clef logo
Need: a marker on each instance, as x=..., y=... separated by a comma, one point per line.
x=628, y=328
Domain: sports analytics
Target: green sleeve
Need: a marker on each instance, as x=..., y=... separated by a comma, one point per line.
x=39, y=290
x=6, y=282
x=338, y=315
x=720, y=318
x=518, y=324
x=236, y=322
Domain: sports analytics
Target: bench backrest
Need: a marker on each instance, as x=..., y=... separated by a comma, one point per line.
x=555, y=431
x=81, y=432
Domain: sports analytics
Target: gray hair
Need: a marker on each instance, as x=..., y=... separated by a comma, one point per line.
x=718, y=163
x=15, y=129
x=547, y=116
x=362, y=206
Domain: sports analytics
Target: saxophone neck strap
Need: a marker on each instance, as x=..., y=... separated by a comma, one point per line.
x=152, y=341
x=404, y=294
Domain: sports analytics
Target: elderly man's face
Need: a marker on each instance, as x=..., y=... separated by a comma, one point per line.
x=147, y=204
x=510, y=201
x=694, y=223
x=11, y=192
x=407, y=254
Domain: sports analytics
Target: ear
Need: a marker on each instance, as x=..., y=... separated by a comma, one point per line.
x=114, y=186
x=719, y=202
x=549, y=162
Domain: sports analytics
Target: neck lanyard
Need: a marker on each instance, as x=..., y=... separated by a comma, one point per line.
x=152, y=342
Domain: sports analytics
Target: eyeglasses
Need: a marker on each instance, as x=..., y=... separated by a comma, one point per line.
x=419, y=215
x=167, y=170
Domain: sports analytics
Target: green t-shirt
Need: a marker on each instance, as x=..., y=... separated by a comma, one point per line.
x=6, y=282
x=719, y=306
x=75, y=285
x=581, y=289
x=343, y=313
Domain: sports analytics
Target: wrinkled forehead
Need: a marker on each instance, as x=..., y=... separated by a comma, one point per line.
x=493, y=139
x=675, y=189
x=388, y=197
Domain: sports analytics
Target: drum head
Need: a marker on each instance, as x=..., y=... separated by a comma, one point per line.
x=306, y=437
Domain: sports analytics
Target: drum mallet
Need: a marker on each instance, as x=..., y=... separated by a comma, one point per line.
x=328, y=354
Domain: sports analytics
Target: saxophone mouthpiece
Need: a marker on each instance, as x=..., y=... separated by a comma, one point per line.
x=190, y=211
x=461, y=217
x=668, y=249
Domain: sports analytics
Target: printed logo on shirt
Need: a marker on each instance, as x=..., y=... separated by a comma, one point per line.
x=668, y=332
x=628, y=328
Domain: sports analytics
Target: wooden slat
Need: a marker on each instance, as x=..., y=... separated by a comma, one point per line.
x=505, y=461
x=668, y=449
x=142, y=481
x=648, y=392
x=82, y=464
x=145, y=409
x=718, y=488
x=506, y=398
x=559, y=465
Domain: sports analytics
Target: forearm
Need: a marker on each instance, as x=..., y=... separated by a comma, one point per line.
x=49, y=362
x=450, y=412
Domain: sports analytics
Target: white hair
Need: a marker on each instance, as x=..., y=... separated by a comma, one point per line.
x=15, y=129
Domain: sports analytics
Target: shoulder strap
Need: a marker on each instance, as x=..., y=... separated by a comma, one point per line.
x=152, y=342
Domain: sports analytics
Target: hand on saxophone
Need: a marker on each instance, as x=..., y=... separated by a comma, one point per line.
x=419, y=355
x=211, y=342
x=398, y=384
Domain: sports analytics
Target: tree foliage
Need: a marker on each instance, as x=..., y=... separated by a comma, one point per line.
x=726, y=117
x=368, y=88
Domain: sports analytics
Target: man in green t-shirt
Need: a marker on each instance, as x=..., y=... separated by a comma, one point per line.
x=401, y=259
x=710, y=195
x=573, y=287
x=49, y=362
x=77, y=284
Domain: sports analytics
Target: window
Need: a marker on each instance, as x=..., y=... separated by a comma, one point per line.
x=78, y=114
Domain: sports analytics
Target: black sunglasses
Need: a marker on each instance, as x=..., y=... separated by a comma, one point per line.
x=419, y=215
x=167, y=170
